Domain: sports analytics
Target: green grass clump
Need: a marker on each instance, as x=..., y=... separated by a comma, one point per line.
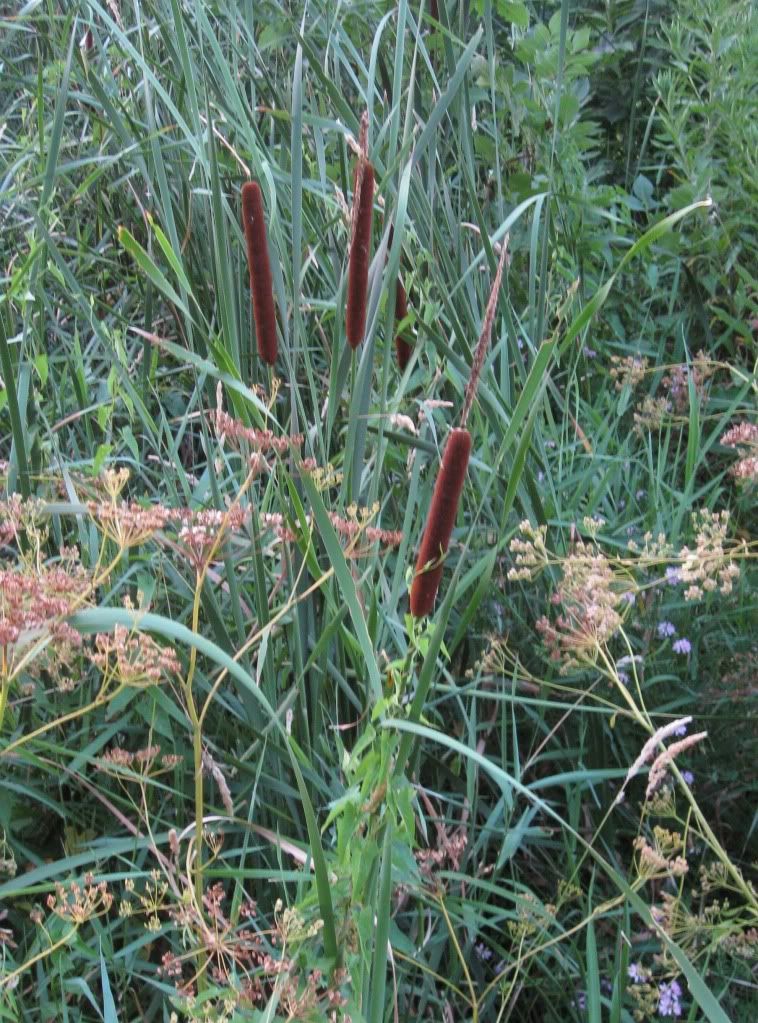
x=240, y=780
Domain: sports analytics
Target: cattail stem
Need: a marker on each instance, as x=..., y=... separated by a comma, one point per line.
x=360, y=244
x=439, y=526
x=484, y=338
x=261, y=285
x=402, y=347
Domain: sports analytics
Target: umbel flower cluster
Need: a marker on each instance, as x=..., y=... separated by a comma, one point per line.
x=596, y=589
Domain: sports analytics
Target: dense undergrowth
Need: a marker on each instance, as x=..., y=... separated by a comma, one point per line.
x=239, y=780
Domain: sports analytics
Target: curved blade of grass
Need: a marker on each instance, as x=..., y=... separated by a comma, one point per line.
x=148, y=267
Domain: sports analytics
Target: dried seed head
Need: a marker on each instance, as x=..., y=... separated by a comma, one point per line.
x=439, y=526
x=357, y=280
x=261, y=287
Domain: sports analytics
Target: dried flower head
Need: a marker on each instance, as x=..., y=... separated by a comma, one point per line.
x=709, y=566
x=744, y=439
x=262, y=441
x=629, y=371
x=133, y=659
x=589, y=598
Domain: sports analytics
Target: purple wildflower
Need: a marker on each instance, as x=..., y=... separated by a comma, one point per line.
x=681, y=730
x=688, y=776
x=629, y=597
x=623, y=678
x=669, y=1003
x=636, y=974
x=673, y=576
x=590, y=352
x=666, y=629
x=682, y=646
x=484, y=953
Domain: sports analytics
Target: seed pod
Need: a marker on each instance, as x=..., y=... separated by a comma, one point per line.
x=261, y=286
x=402, y=347
x=439, y=526
x=357, y=273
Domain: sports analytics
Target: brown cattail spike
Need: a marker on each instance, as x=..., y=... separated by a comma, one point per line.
x=357, y=273
x=401, y=311
x=439, y=526
x=261, y=286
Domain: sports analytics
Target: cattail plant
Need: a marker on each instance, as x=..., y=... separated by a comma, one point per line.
x=360, y=244
x=452, y=475
x=402, y=347
x=261, y=287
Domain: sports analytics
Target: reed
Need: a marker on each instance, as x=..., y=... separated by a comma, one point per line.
x=261, y=286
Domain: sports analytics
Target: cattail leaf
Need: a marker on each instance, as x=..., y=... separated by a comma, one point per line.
x=382, y=929
x=346, y=584
x=148, y=267
x=447, y=97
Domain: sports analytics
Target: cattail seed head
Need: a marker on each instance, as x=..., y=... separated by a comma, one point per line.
x=261, y=286
x=357, y=274
x=439, y=526
x=402, y=347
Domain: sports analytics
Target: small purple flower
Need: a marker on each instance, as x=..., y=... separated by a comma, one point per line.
x=540, y=476
x=520, y=343
x=581, y=1001
x=669, y=1003
x=629, y=597
x=623, y=678
x=681, y=730
x=590, y=352
x=483, y=951
x=688, y=776
x=636, y=974
x=666, y=629
x=673, y=576
x=682, y=646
